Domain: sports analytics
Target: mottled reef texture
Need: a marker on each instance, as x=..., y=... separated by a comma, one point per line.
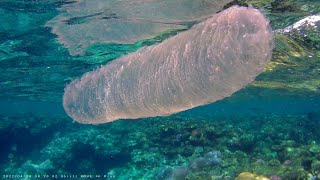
x=280, y=145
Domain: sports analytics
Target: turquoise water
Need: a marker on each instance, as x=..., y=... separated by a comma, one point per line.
x=270, y=127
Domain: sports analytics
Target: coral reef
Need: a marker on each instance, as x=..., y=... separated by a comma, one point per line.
x=284, y=146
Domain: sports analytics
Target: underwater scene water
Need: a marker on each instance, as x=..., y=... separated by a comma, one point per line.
x=265, y=129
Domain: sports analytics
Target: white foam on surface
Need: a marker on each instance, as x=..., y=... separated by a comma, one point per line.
x=307, y=21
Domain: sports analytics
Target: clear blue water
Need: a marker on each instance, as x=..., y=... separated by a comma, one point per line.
x=269, y=128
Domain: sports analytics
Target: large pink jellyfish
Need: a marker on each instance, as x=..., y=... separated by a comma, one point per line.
x=207, y=63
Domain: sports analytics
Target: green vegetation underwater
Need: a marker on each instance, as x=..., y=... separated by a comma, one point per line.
x=59, y=58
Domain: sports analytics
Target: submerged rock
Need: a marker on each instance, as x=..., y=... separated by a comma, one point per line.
x=175, y=173
x=209, y=160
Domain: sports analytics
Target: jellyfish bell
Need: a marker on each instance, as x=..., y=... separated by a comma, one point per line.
x=206, y=63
